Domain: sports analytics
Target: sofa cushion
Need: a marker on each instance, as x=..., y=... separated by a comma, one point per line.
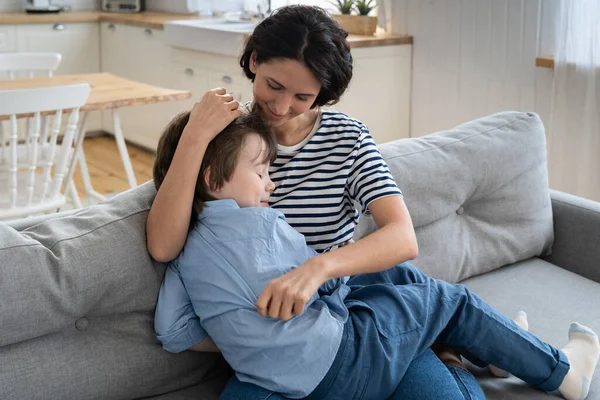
x=77, y=298
x=552, y=297
x=478, y=194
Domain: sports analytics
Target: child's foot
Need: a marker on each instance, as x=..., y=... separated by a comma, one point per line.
x=582, y=351
x=521, y=320
x=449, y=356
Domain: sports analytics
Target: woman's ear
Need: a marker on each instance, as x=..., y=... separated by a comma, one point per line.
x=253, y=63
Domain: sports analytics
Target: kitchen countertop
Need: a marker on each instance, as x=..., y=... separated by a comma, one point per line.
x=156, y=20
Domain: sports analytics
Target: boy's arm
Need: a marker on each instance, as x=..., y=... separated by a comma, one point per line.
x=176, y=324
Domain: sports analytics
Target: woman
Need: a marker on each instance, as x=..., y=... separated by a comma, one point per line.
x=299, y=60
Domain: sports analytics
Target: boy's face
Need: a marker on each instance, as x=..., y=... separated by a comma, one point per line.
x=250, y=185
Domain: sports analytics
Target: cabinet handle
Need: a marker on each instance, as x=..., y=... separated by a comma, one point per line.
x=111, y=27
x=188, y=71
x=59, y=27
x=148, y=32
x=227, y=79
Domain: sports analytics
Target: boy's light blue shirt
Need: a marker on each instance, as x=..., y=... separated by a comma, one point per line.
x=228, y=259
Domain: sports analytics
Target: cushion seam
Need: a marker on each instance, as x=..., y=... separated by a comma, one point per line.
x=456, y=141
x=74, y=237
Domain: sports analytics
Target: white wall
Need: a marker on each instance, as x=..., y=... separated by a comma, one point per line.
x=476, y=57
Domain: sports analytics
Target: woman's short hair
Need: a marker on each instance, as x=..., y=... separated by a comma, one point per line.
x=309, y=35
x=221, y=156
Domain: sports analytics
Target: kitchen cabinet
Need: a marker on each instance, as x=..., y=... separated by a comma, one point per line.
x=379, y=93
x=199, y=72
x=139, y=54
x=78, y=43
x=8, y=38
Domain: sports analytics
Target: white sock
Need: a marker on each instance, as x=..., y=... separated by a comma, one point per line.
x=521, y=320
x=582, y=351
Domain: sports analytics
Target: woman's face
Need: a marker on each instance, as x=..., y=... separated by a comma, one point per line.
x=283, y=88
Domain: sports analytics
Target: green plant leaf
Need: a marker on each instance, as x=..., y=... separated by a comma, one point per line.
x=364, y=7
x=343, y=6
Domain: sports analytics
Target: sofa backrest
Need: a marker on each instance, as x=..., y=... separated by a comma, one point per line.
x=78, y=290
x=77, y=298
x=478, y=194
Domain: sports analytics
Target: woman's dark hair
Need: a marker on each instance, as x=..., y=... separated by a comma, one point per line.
x=221, y=155
x=309, y=35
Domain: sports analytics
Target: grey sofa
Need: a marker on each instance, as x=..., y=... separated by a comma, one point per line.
x=78, y=289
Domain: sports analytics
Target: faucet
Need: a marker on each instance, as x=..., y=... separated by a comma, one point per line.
x=262, y=10
x=263, y=14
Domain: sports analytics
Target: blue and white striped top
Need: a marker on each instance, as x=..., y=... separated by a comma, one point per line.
x=327, y=180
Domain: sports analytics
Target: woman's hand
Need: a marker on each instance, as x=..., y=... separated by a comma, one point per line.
x=212, y=114
x=287, y=295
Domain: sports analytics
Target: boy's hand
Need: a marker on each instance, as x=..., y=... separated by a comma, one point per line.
x=287, y=295
x=212, y=114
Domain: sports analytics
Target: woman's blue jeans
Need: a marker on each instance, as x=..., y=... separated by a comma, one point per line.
x=427, y=378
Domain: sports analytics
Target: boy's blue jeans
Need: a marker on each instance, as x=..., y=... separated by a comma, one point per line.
x=427, y=378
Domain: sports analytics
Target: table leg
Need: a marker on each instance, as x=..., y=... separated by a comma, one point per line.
x=120, y=139
x=79, y=156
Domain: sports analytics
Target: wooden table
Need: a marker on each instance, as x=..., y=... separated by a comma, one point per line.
x=108, y=92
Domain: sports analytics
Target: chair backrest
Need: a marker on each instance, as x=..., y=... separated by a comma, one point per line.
x=27, y=183
x=29, y=63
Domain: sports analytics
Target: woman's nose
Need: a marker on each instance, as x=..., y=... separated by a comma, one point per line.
x=282, y=105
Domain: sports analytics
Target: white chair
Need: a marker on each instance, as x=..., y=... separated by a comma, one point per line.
x=28, y=185
x=31, y=65
x=14, y=64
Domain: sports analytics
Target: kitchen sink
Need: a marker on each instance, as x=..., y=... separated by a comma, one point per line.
x=220, y=36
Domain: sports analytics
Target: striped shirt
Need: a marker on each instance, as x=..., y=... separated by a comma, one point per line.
x=325, y=182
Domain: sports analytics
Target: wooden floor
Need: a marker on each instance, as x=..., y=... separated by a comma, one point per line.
x=106, y=169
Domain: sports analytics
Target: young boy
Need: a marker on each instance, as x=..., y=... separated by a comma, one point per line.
x=352, y=338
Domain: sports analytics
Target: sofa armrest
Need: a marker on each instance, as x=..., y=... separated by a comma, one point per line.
x=576, y=235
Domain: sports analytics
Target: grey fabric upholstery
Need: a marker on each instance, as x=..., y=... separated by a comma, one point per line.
x=77, y=297
x=577, y=235
x=78, y=290
x=478, y=194
x=552, y=297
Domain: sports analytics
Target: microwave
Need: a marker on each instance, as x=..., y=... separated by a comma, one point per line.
x=123, y=6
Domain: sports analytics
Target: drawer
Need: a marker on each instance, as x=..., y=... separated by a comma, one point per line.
x=8, y=38
x=227, y=79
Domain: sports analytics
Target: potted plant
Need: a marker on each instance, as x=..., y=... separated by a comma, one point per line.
x=361, y=24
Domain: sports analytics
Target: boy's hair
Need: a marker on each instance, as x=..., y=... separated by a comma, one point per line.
x=221, y=155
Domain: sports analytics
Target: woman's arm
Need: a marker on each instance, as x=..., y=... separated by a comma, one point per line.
x=393, y=243
x=169, y=217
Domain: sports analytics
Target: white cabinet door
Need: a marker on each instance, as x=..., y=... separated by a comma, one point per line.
x=139, y=54
x=8, y=38
x=379, y=93
x=78, y=43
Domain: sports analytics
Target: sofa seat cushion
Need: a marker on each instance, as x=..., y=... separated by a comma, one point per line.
x=478, y=194
x=77, y=299
x=553, y=298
